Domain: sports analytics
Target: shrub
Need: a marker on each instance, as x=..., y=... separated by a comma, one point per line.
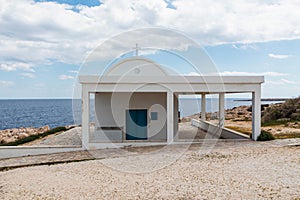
x=265, y=136
x=287, y=110
x=296, y=116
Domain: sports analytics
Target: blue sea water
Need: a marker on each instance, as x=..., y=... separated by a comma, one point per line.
x=35, y=112
x=188, y=106
x=59, y=112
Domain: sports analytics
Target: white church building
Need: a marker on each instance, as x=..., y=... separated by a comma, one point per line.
x=136, y=101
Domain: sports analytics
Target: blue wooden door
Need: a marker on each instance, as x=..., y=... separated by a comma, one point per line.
x=136, y=124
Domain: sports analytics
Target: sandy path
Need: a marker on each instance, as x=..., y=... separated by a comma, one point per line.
x=250, y=171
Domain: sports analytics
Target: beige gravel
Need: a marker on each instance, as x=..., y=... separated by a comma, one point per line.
x=231, y=171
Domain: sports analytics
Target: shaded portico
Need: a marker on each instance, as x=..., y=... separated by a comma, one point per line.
x=172, y=86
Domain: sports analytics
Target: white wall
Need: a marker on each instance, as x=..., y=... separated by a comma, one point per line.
x=136, y=67
x=110, y=110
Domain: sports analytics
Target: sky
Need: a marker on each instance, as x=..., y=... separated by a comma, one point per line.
x=44, y=43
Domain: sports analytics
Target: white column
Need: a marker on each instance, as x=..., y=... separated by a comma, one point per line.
x=176, y=117
x=221, y=110
x=203, y=107
x=85, y=117
x=170, y=117
x=256, y=113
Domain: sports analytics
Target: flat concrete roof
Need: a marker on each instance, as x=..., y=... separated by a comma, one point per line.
x=92, y=79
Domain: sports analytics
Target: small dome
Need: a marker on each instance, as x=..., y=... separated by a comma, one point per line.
x=136, y=66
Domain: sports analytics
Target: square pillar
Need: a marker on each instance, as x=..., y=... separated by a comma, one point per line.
x=221, y=110
x=256, y=113
x=176, y=115
x=85, y=117
x=203, y=107
x=170, y=117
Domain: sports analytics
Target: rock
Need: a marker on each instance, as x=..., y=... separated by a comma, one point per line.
x=8, y=140
x=22, y=135
x=14, y=134
x=283, y=119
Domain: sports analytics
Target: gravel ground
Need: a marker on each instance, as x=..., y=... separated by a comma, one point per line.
x=253, y=171
x=70, y=137
x=73, y=136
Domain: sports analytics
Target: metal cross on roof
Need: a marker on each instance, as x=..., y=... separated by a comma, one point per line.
x=137, y=48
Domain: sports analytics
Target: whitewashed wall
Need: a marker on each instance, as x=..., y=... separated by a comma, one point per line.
x=110, y=110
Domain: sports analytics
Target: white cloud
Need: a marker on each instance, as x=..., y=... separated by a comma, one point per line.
x=283, y=82
x=192, y=74
x=244, y=46
x=16, y=66
x=65, y=77
x=242, y=20
x=273, y=74
x=274, y=83
x=37, y=33
x=28, y=75
x=73, y=71
x=278, y=56
x=6, y=83
x=289, y=81
x=236, y=73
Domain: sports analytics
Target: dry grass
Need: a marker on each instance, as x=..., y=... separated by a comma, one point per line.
x=248, y=131
x=287, y=135
x=245, y=130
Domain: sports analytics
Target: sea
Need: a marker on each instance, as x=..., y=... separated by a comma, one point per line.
x=16, y=113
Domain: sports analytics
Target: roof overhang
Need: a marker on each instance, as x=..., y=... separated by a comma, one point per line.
x=171, y=79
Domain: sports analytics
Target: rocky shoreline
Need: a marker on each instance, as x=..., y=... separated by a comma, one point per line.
x=240, y=113
x=239, y=118
x=14, y=134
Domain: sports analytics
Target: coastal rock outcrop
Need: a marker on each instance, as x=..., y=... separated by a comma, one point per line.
x=14, y=134
x=240, y=113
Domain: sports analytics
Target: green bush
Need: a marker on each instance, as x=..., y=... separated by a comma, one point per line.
x=287, y=110
x=265, y=136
